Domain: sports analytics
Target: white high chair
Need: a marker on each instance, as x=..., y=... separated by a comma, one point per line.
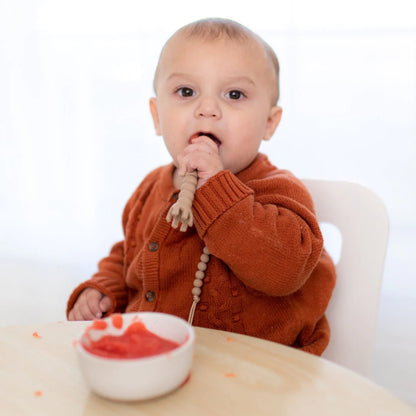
x=361, y=217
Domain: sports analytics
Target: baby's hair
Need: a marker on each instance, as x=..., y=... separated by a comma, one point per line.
x=214, y=28
x=217, y=28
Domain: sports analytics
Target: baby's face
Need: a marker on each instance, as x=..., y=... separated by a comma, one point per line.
x=222, y=89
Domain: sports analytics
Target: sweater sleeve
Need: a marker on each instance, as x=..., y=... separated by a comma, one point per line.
x=265, y=231
x=108, y=280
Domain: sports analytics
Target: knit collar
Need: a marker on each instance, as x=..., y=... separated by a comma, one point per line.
x=164, y=183
x=256, y=169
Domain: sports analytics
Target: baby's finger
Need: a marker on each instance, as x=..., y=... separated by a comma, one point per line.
x=93, y=298
x=206, y=143
x=76, y=315
x=86, y=313
x=105, y=304
x=71, y=315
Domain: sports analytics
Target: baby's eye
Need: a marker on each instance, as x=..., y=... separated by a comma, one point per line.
x=186, y=92
x=235, y=94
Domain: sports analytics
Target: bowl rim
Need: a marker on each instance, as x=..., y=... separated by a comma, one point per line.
x=189, y=341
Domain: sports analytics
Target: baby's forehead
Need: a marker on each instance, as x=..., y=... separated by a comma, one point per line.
x=185, y=43
x=185, y=46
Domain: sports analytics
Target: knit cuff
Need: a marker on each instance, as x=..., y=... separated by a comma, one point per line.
x=215, y=197
x=114, y=292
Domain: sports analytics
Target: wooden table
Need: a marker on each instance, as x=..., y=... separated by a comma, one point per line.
x=232, y=375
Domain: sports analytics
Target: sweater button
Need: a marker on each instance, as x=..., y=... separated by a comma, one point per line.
x=235, y=318
x=153, y=246
x=150, y=296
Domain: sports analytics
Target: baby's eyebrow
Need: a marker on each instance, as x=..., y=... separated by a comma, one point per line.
x=239, y=79
x=181, y=75
x=228, y=80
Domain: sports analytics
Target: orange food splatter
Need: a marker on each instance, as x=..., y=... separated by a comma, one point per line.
x=229, y=339
x=99, y=324
x=36, y=335
x=38, y=393
x=75, y=343
x=230, y=375
x=117, y=320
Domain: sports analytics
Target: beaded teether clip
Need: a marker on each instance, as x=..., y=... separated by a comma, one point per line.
x=181, y=212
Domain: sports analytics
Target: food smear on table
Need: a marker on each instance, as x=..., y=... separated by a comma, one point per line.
x=36, y=335
x=135, y=342
x=38, y=393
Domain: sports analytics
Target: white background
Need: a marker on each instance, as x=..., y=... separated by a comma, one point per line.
x=76, y=135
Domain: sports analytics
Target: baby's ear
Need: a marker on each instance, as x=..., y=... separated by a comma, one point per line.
x=273, y=121
x=155, y=115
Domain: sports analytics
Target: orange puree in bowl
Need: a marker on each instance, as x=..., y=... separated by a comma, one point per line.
x=136, y=342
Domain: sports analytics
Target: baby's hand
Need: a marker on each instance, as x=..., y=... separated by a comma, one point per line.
x=91, y=304
x=203, y=155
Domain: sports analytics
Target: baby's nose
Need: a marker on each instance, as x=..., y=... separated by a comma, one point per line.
x=208, y=107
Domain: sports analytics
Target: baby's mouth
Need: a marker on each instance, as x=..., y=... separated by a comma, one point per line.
x=210, y=135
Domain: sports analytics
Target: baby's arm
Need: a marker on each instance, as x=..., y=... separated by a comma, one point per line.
x=108, y=280
x=265, y=232
x=91, y=304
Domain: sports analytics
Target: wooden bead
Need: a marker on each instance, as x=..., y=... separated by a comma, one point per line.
x=196, y=291
x=206, y=251
x=198, y=283
x=200, y=275
x=204, y=258
x=202, y=266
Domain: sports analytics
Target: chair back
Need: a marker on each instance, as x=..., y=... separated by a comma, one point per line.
x=361, y=218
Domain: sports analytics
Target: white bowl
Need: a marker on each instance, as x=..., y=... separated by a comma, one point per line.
x=140, y=378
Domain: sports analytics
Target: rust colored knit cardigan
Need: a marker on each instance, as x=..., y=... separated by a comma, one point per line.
x=268, y=275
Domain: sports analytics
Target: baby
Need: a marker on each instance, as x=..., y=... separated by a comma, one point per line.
x=264, y=270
